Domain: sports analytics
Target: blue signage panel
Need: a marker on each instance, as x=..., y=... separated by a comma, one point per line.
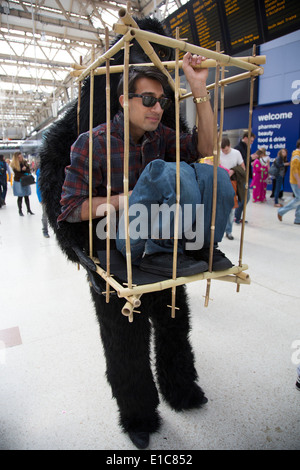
x=277, y=127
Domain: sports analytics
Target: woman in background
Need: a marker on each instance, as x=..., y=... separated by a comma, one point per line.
x=281, y=163
x=260, y=171
x=20, y=167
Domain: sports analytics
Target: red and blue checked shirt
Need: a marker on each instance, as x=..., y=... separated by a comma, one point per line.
x=160, y=143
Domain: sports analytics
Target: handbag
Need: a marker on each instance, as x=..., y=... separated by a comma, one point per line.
x=274, y=171
x=26, y=180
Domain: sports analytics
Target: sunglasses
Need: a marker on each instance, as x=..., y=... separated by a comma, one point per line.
x=150, y=101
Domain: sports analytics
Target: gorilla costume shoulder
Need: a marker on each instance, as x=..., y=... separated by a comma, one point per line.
x=55, y=151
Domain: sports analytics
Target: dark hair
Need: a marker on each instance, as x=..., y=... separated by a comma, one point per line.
x=1, y=158
x=135, y=73
x=246, y=135
x=279, y=154
x=298, y=144
x=225, y=142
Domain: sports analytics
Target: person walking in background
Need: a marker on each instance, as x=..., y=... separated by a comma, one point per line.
x=9, y=172
x=295, y=185
x=20, y=168
x=280, y=163
x=3, y=181
x=242, y=148
x=232, y=160
x=284, y=154
x=44, y=215
x=260, y=168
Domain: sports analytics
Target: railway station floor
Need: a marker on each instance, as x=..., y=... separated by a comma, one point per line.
x=53, y=390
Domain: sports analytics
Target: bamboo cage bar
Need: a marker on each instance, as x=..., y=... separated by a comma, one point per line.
x=176, y=222
x=91, y=157
x=128, y=293
x=215, y=176
x=107, y=55
x=148, y=49
x=169, y=65
x=222, y=95
x=108, y=153
x=79, y=103
x=234, y=280
x=247, y=167
x=223, y=59
x=126, y=168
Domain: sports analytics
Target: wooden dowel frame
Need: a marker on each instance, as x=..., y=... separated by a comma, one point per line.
x=215, y=176
x=223, y=59
x=169, y=65
x=236, y=274
x=127, y=293
x=108, y=154
x=91, y=157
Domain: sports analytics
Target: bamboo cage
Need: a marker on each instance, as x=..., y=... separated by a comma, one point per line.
x=215, y=59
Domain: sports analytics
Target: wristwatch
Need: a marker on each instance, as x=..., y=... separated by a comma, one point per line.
x=202, y=99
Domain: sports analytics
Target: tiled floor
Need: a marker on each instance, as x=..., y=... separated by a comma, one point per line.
x=53, y=391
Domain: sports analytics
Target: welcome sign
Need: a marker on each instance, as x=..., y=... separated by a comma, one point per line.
x=277, y=127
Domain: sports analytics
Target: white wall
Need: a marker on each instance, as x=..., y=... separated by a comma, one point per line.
x=281, y=79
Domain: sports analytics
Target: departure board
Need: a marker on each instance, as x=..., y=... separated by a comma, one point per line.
x=281, y=17
x=242, y=25
x=181, y=20
x=237, y=24
x=208, y=27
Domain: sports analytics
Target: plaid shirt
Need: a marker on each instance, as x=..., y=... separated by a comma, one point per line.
x=158, y=144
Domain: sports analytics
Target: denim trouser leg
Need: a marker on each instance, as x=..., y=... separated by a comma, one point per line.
x=149, y=231
x=240, y=208
x=225, y=199
x=278, y=185
x=229, y=224
x=44, y=219
x=293, y=204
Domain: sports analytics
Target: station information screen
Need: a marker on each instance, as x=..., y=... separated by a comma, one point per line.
x=280, y=17
x=181, y=19
x=237, y=24
x=207, y=26
x=241, y=24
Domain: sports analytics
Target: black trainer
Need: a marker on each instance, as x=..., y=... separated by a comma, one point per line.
x=162, y=264
x=298, y=384
x=220, y=262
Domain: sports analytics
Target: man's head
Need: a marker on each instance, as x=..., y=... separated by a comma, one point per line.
x=146, y=109
x=225, y=145
x=245, y=138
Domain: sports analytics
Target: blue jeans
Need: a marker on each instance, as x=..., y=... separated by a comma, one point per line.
x=279, y=180
x=157, y=186
x=239, y=210
x=293, y=204
x=229, y=224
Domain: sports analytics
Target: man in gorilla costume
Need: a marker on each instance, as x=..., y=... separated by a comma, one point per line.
x=126, y=345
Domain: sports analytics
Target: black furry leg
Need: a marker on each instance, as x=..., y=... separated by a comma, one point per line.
x=176, y=373
x=126, y=347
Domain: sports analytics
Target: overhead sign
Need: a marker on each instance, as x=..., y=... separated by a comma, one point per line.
x=237, y=24
x=277, y=127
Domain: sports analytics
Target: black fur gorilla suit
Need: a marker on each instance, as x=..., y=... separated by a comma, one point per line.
x=126, y=345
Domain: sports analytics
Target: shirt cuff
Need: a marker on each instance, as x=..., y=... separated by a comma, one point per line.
x=75, y=215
